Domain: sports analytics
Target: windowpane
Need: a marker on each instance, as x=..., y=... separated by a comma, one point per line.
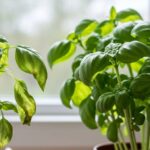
x=39, y=23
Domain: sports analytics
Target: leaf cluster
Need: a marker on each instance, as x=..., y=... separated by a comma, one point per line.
x=29, y=61
x=97, y=86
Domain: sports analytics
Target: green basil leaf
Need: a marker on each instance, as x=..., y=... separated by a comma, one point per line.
x=6, y=132
x=67, y=91
x=139, y=119
x=112, y=49
x=136, y=66
x=81, y=92
x=87, y=113
x=8, y=106
x=60, y=52
x=142, y=32
x=128, y=15
x=85, y=27
x=132, y=51
x=113, y=13
x=94, y=43
x=101, y=120
x=29, y=61
x=123, y=32
x=72, y=37
x=3, y=39
x=105, y=102
x=95, y=92
x=4, y=49
x=122, y=99
x=92, y=64
x=1, y=52
x=140, y=86
x=136, y=127
x=26, y=103
x=101, y=81
x=112, y=132
x=145, y=67
x=106, y=40
x=105, y=27
x=1, y=105
x=77, y=61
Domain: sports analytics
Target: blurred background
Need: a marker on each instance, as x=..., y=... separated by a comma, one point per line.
x=38, y=24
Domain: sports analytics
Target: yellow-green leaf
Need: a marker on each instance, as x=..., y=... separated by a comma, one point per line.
x=60, y=52
x=105, y=27
x=28, y=60
x=4, y=48
x=6, y=132
x=72, y=37
x=128, y=15
x=81, y=92
x=85, y=27
x=113, y=13
x=26, y=103
x=5, y=105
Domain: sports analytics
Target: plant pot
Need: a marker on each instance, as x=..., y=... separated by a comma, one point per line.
x=111, y=146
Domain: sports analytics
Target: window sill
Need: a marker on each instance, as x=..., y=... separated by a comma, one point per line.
x=45, y=118
x=48, y=110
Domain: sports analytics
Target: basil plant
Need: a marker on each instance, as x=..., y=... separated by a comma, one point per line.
x=29, y=61
x=110, y=82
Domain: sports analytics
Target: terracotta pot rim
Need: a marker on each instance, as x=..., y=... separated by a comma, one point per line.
x=100, y=145
x=107, y=144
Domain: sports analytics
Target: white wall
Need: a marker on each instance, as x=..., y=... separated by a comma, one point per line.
x=55, y=136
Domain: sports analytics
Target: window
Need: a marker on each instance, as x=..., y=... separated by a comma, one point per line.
x=38, y=24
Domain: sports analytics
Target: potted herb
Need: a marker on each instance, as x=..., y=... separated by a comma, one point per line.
x=29, y=61
x=110, y=81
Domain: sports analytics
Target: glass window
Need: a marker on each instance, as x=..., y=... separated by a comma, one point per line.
x=39, y=24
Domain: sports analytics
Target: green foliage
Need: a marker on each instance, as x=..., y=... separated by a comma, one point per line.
x=123, y=99
x=132, y=51
x=145, y=67
x=105, y=27
x=113, y=13
x=88, y=112
x=81, y=92
x=4, y=49
x=142, y=32
x=4, y=105
x=112, y=132
x=6, y=132
x=94, y=43
x=26, y=103
x=107, y=97
x=67, y=91
x=29, y=61
x=128, y=15
x=60, y=52
x=122, y=33
x=139, y=119
x=92, y=64
x=85, y=27
x=105, y=102
x=140, y=86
